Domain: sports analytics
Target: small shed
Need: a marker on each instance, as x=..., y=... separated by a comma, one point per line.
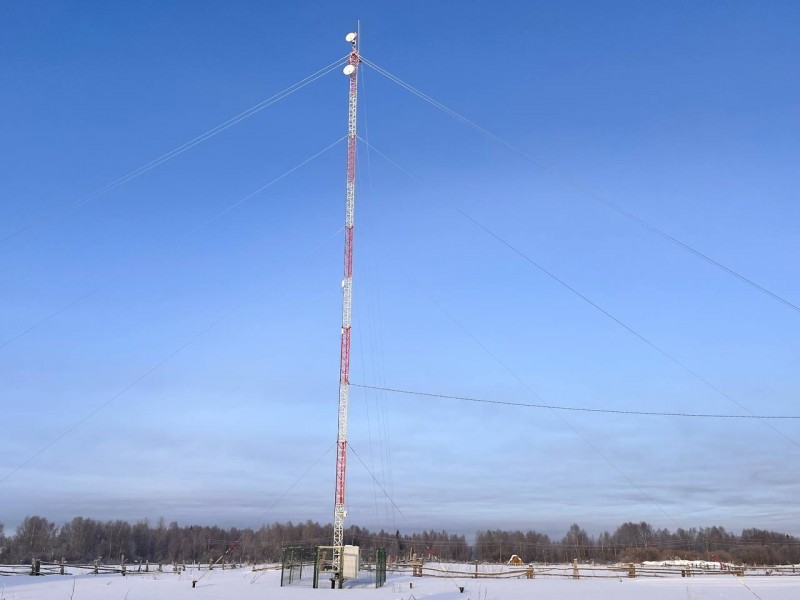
x=351, y=562
x=514, y=560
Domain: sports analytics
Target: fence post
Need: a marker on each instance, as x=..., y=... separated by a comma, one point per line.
x=476, y=569
x=575, y=573
x=315, y=581
x=631, y=570
x=529, y=572
x=147, y=566
x=61, y=569
x=96, y=566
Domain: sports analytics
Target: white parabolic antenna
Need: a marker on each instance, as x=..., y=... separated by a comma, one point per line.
x=350, y=37
x=348, y=69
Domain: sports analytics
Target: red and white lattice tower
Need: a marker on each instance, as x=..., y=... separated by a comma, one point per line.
x=339, y=512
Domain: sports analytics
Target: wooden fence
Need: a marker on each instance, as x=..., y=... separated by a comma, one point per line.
x=39, y=567
x=578, y=571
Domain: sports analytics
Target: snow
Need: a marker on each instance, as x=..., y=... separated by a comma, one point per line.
x=246, y=584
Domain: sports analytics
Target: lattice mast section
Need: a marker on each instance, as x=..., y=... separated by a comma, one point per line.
x=339, y=512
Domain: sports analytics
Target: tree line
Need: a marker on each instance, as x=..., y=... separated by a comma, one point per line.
x=83, y=540
x=638, y=542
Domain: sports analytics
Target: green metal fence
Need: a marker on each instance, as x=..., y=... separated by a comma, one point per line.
x=293, y=560
x=380, y=567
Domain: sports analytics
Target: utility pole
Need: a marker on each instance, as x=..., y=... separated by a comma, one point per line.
x=339, y=512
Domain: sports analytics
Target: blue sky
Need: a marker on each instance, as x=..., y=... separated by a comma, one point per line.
x=683, y=113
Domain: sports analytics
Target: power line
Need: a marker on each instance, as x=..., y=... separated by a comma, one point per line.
x=587, y=300
x=627, y=327
x=298, y=480
x=557, y=414
x=369, y=188
x=145, y=374
x=583, y=189
x=573, y=408
x=374, y=349
x=262, y=188
x=593, y=304
x=176, y=151
x=125, y=389
x=40, y=322
x=533, y=392
x=182, y=236
x=397, y=508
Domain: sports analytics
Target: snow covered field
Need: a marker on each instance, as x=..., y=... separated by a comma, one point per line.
x=244, y=584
